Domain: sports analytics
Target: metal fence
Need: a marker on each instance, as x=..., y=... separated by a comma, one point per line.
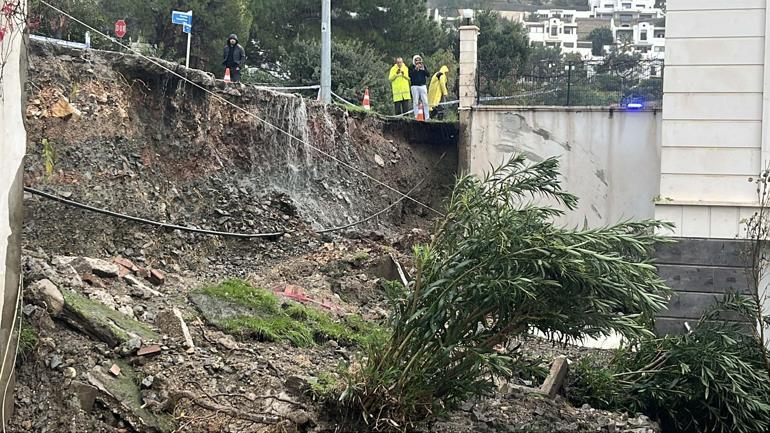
x=632, y=84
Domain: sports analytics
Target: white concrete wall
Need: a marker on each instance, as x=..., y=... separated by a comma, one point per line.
x=12, y=146
x=715, y=107
x=610, y=160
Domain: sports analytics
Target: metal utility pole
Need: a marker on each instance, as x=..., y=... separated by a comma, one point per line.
x=326, y=52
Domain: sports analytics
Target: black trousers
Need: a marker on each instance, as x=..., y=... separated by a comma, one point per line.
x=402, y=106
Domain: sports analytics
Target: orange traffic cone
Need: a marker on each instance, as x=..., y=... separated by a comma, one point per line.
x=420, y=113
x=227, y=75
x=367, y=104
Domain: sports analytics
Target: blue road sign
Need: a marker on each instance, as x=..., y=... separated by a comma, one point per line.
x=181, y=18
x=186, y=28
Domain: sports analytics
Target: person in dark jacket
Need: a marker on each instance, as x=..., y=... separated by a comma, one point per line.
x=234, y=56
x=419, y=76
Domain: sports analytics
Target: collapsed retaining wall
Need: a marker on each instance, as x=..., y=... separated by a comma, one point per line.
x=132, y=137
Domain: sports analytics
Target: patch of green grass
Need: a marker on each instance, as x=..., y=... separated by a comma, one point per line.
x=242, y=293
x=272, y=328
x=359, y=258
x=27, y=342
x=299, y=324
x=325, y=387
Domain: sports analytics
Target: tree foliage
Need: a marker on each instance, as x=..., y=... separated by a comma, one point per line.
x=600, y=37
x=503, y=46
x=712, y=379
x=355, y=67
x=499, y=267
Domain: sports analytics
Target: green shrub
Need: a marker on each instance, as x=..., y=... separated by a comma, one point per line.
x=710, y=380
x=498, y=266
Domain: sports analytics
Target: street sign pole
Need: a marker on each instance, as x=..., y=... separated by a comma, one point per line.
x=185, y=20
x=189, y=37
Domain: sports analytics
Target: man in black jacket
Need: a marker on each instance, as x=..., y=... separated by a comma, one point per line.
x=234, y=56
x=419, y=76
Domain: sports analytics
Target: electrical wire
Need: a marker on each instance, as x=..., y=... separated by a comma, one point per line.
x=237, y=107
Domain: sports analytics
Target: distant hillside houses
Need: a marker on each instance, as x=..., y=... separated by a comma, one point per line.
x=636, y=25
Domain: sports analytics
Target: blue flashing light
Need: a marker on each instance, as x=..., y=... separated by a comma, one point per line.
x=635, y=106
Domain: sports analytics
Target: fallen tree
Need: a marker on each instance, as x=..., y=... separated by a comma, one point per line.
x=498, y=267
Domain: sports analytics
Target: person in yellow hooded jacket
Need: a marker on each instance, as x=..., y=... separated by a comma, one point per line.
x=399, y=81
x=437, y=90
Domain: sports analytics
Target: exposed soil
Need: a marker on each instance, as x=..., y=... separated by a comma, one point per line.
x=133, y=139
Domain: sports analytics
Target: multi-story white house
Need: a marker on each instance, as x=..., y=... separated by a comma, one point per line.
x=645, y=38
x=558, y=28
x=608, y=8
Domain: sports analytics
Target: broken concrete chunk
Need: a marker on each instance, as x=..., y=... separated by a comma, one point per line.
x=128, y=264
x=98, y=267
x=156, y=277
x=138, y=289
x=55, y=362
x=378, y=159
x=147, y=382
x=123, y=396
x=115, y=370
x=93, y=280
x=86, y=395
x=70, y=373
x=98, y=320
x=64, y=110
x=103, y=298
x=131, y=346
x=45, y=294
x=149, y=350
x=185, y=330
x=555, y=380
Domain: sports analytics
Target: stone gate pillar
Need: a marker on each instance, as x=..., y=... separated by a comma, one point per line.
x=469, y=36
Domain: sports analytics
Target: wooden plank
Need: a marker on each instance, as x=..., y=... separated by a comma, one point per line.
x=703, y=252
x=689, y=305
x=669, y=326
x=705, y=279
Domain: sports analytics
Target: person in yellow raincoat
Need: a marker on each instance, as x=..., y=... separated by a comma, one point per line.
x=437, y=91
x=399, y=81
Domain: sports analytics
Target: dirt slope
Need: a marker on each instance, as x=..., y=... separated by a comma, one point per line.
x=133, y=138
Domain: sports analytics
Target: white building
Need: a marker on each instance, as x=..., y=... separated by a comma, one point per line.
x=558, y=28
x=645, y=38
x=604, y=8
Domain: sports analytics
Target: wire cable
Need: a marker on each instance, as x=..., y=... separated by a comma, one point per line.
x=237, y=107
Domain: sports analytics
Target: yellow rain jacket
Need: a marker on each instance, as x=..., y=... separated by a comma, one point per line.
x=400, y=83
x=437, y=89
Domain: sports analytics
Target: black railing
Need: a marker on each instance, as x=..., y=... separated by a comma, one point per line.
x=633, y=84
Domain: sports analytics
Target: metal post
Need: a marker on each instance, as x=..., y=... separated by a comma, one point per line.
x=326, y=52
x=187, y=62
x=189, y=37
x=569, y=84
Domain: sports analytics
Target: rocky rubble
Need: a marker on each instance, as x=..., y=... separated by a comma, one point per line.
x=150, y=375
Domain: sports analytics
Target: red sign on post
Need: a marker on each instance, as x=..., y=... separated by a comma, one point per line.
x=120, y=28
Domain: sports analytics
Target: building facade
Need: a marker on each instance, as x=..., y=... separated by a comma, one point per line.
x=716, y=115
x=637, y=26
x=12, y=148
